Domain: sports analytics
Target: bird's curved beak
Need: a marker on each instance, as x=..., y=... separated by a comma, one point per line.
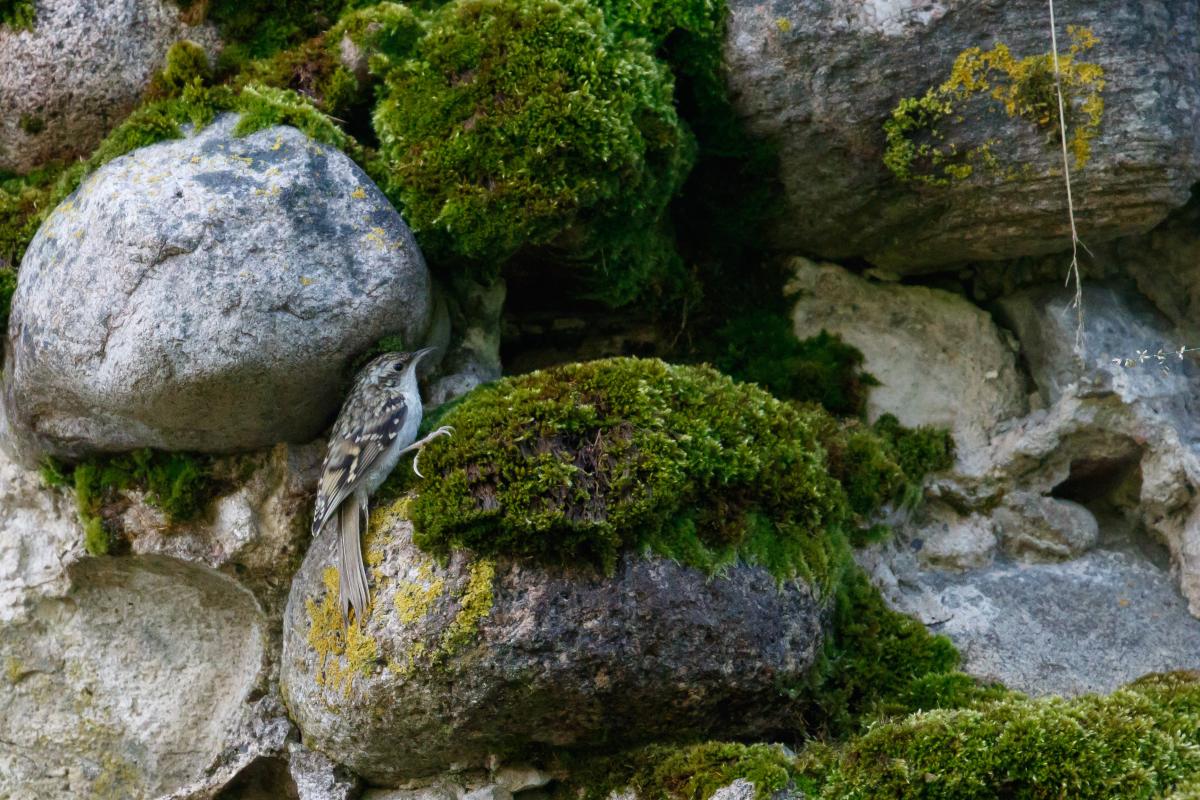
x=424, y=351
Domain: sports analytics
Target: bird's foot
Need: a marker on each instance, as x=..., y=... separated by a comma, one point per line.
x=445, y=430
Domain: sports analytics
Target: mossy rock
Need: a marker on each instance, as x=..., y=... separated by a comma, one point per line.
x=529, y=124
x=473, y=656
x=583, y=462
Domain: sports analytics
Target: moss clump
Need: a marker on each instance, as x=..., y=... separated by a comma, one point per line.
x=527, y=124
x=1022, y=89
x=760, y=347
x=585, y=461
x=886, y=462
x=1141, y=741
x=179, y=484
x=691, y=772
x=186, y=64
x=314, y=68
x=8, y=287
x=17, y=14
x=878, y=662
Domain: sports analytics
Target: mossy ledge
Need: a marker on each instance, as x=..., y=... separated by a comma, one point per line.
x=583, y=462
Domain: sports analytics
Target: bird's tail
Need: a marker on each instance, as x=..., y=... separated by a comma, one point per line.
x=353, y=584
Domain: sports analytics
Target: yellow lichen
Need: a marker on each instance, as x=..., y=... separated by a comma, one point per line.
x=343, y=651
x=14, y=670
x=1023, y=88
x=414, y=599
x=474, y=604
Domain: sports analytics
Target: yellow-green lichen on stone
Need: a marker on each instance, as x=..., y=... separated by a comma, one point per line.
x=343, y=651
x=918, y=149
x=474, y=604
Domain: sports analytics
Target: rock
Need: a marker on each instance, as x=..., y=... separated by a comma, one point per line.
x=257, y=533
x=436, y=792
x=1117, y=325
x=940, y=359
x=820, y=81
x=519, y=779
x=1119, y=441
x=1085, y=625
x=80, y=69
x=475, y=658
x=206, y=294
x=132, y=684
x=741, y=789
x=1045, y=528
x=949, y=540
x=474, y=357
x=39, y=536
x=318, y=778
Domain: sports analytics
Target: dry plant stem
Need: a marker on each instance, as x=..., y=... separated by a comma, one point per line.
x=1073, y=271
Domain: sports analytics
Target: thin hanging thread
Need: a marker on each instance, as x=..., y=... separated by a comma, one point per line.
x=1073, y=271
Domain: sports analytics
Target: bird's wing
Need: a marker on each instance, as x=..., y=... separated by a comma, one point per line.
x=359, y=438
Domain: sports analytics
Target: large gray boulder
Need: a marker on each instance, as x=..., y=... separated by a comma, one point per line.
x=79, y=70
x=207, y=294
x=475, y=658
x=820, y=79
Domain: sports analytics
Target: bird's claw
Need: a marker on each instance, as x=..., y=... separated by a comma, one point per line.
x=445, y=430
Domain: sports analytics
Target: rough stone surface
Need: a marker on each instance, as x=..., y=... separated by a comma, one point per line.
x=206, y=294
x=472, y=659
x=820, y=79
x=1085, y=625
x=950, y=540
x=40, y=536
x=474, y=355
x=939, y=359
x=318, y=778
x=1045, y=528
x=132, y=684
x=256, y=533
x=1112, y=437
x=79, y=71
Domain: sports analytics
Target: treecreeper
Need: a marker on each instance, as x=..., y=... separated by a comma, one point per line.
x=378, y=424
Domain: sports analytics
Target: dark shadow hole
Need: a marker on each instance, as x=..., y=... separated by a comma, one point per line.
x=262, y=779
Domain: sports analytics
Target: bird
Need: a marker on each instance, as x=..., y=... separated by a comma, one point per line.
x=378, y=424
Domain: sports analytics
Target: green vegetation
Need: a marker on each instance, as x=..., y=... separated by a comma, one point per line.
x=761, y=348
x=1142, y=741
x=8, y=287
x=585, y=461
x=690, y=772
x=179, y=484
x=17, y=14
x=917, y=150
x=601, y=147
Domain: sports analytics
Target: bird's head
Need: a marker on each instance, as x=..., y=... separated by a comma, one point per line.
x=394, y=369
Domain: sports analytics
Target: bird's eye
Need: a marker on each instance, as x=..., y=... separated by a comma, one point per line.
x=399, y=366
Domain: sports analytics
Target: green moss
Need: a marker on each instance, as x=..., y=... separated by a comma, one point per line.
x=18, y=14
x=691, y=772
x=760, y=347
x=31, y=124
x=527, y=124
x=1142, y=741
x=8, y=287
x=179, y=484
x=381, y=33
x=585, y=461
x=884, y=463
x=186, y=64
x=917, y=148
x=878, y=662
